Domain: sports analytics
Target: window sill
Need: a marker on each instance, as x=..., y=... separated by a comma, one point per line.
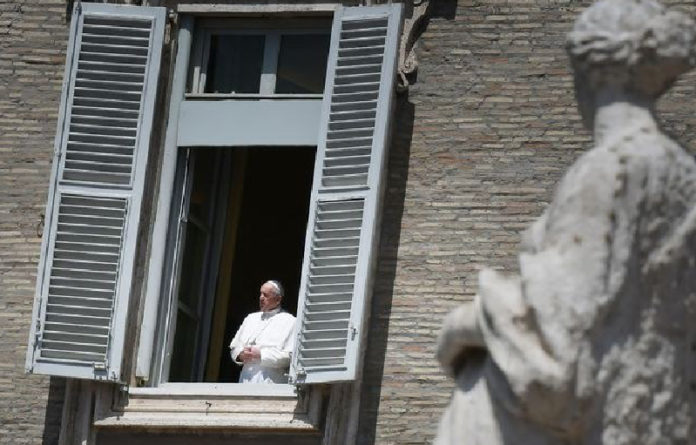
x=230, y=406
x=217, y=389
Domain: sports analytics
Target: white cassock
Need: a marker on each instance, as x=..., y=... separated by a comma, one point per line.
x=272, y=333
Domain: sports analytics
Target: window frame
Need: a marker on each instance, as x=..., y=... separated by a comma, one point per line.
x=391, y=13
x=201, y=54
x=158, y=310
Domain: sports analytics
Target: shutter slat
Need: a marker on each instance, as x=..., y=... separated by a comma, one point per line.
x=107, y=104
x=364, y=96
x=346, y=160
x=110, y=76
x=352, y=124
x=354, y=70
x=315, y=344
x=333, y=261
x=344, y=181
x=350, y=115
x=115, y=50
x=68, y=346
x=359, y=42
x=349, y=134
x=331, y=315
x=60, y=356
x=105, y=122
x=320, y=364
x=122, y=141
x=358, y=34
x=345, y=269
x=90, y=156
x=107, y=66
x=75, y=337
x=92, y=178
x=103, y=113
x=105, y=93
x=337, y=153
x=61, y=291
x=106, y=57
x=92, y=35
x=72, y=328
x=79, y=310
x=77, y=319
x=113, y=28
x=75, y=146
x=97, y=167
x=368, y=51
x=115, y=84
x=331, y=280
x=354, y=61
x=347, y=143
x=95, y=283
x=126, y=134
x=326, y=353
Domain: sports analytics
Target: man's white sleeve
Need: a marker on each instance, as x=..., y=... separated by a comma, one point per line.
x=279, y=356
x=237, y=345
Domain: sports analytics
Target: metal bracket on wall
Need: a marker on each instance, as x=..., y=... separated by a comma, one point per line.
x=417, y=15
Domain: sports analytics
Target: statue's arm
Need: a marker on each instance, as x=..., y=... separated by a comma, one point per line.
x=460, y=332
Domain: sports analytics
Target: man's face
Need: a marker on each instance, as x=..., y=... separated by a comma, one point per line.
x=268, y=300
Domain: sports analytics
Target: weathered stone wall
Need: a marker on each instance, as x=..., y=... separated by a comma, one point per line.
x=494, y=126
x=33, y=39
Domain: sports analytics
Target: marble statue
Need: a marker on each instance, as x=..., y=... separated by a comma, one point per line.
x=594, y=340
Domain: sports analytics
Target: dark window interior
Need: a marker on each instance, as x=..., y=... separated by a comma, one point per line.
x=235, y=63
x=256, y=230
x=302, y=64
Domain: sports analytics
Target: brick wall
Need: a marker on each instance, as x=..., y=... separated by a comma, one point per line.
x=32, y=54
x=494, y=126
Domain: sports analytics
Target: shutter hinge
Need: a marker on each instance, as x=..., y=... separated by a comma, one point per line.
x=353, y=332
x=99, y=366
x=300, y=377
x=37, y=335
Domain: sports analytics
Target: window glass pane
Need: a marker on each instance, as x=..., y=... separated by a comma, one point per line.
x=235, y=64
x=202, y=188
x=184, y=348
x=302, y=63
x=192, y=265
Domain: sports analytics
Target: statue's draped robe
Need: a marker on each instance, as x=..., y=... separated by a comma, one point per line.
x=594, y=342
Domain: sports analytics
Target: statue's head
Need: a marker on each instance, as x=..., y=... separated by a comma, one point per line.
x=636, y=46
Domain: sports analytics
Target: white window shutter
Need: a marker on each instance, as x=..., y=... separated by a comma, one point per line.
x=343, y=227
x=93, y=209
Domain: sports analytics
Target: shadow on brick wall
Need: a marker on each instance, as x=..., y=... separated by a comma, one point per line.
x=54, y=410
x=390, y=234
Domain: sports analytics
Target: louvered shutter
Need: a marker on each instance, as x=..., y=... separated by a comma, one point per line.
x=93, y=210
x=345, y=205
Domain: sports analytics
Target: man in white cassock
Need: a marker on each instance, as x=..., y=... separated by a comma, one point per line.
x=264, y=342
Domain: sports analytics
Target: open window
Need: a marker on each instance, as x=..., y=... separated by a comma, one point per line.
x=245, y=106
x=241, y=220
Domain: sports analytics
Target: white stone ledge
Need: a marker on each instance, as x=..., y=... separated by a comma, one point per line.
x=207, y=405
x=216, y=389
